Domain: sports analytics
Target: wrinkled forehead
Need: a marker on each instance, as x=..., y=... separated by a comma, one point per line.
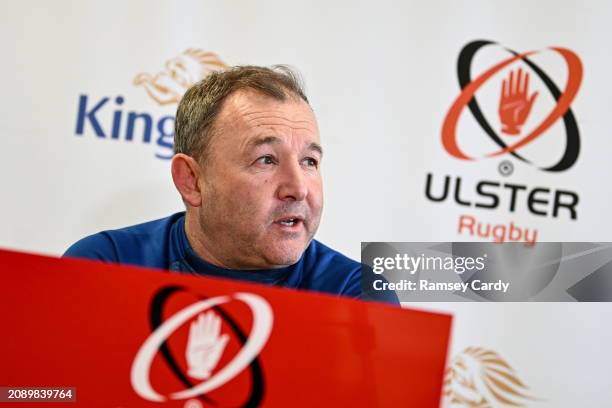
x=248, y=112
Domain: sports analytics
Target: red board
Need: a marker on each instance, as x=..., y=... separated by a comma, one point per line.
x=131, y=337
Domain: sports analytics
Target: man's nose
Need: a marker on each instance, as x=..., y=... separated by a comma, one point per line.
x=292, y=184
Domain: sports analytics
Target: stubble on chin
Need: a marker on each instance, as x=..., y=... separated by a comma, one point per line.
x=230, y=226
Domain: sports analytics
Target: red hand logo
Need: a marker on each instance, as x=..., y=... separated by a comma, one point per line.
x=514, y=103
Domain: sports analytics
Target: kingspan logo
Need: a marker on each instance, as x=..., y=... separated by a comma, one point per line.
x=511, y=121
x=107, y=118
x=212, y=332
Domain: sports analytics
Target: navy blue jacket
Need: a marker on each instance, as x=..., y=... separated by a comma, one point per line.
x=163, y=244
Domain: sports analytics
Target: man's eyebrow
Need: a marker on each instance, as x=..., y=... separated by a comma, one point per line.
x=316, y=147
x=275, y=140
x=263, y=141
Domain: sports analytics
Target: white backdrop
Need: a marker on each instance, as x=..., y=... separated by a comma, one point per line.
x=560, y=352
x=381, y=77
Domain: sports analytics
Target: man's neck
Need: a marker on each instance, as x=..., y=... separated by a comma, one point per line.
x=199, y=242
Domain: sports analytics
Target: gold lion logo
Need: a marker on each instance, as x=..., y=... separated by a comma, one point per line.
x=480, y=378
x=169, y=85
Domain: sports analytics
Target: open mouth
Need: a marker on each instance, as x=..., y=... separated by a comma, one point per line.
x=289, y=221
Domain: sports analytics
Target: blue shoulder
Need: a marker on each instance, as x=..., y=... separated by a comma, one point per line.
x=340, y=274
x=147, y=244
x=98, y=246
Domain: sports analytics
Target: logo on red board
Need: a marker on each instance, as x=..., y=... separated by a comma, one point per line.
x=515, y=104
x=214, y=351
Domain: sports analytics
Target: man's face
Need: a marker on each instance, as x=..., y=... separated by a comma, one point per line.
x=261, y=184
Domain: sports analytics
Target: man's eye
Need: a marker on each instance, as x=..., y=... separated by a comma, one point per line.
x=309, y=161
x=265, y=160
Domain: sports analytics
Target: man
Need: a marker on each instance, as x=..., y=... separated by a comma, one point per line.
x=247, y=165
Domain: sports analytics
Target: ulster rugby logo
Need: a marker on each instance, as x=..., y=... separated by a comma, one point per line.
x=211, y=332
x=515, y=125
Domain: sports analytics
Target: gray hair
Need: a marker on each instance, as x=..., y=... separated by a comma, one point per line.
x=202, y=102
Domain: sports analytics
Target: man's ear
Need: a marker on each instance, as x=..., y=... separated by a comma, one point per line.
x=186, y=173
